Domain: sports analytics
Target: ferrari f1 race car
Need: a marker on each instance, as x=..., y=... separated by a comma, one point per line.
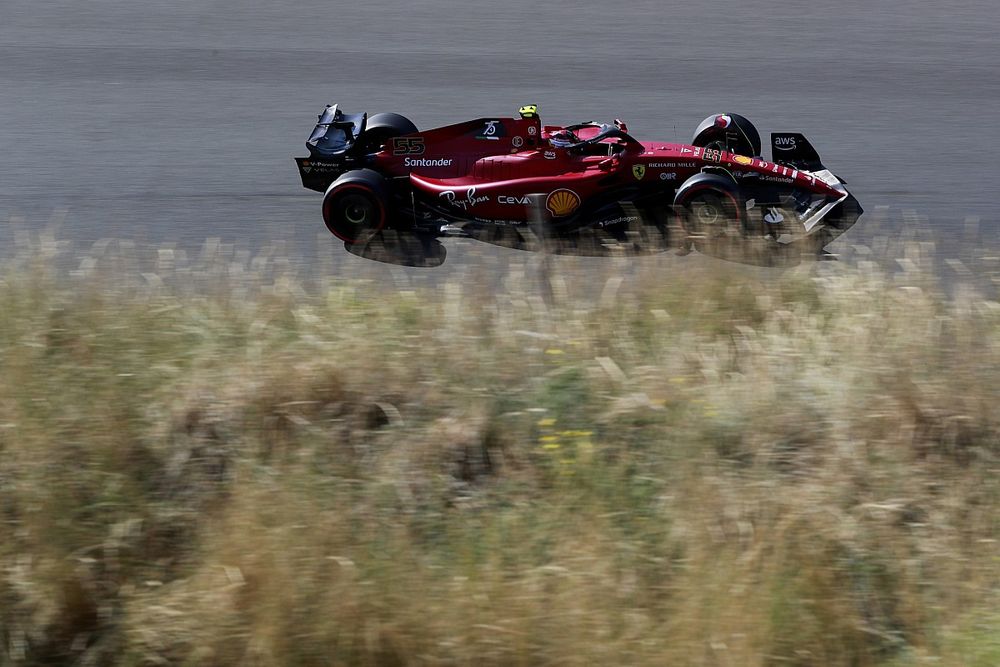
x=391, y=191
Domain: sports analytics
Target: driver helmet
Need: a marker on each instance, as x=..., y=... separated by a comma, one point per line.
x=563, y=139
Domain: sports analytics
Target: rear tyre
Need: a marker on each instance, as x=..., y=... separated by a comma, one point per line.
x=355, y=206
x=728, y=132
x=380, y=128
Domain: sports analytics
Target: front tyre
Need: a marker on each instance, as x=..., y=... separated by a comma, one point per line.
x=710, y=212
x=710, y=208
x=728, y=132
x=356, y=205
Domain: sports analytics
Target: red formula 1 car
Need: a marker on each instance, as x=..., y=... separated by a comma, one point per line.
x=392, y=191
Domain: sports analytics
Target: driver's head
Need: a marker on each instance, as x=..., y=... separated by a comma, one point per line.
x=563, y=139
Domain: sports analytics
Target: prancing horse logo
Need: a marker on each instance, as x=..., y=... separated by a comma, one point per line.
x=638, y=170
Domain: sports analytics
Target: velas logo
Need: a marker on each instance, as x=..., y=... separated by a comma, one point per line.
x=638, y=170
x=562, y=202
x=742, y=159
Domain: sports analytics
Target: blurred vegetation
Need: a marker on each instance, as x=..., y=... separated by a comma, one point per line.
x=221, y=460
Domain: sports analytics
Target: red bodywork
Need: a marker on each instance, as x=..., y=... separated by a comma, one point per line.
x=593, y=187
x=485, y=170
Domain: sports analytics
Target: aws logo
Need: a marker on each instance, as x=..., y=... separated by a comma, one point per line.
x=785, y=143
x=562, y=202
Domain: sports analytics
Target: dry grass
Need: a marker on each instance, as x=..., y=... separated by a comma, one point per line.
x=204, y=462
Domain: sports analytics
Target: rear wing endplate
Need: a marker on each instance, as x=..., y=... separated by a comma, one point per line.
x=335, y=132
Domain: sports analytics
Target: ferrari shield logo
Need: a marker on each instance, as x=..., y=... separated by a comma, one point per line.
x=638, y=170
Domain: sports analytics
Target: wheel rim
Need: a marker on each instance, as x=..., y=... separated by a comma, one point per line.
x=707, y=212
x=353, y=214
x=708, y=215
x=358, y=210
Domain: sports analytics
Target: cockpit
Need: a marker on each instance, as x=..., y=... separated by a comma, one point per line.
x=600, y=139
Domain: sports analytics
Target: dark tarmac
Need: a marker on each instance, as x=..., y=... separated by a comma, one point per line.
x=173, y=122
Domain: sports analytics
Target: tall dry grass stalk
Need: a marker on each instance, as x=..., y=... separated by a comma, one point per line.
x=221, y=460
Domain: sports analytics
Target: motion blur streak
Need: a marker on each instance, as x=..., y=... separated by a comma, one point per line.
x=260, y=449
x=204, y=459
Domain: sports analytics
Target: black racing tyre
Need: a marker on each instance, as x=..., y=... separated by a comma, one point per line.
x=711, y=213
x=728, y=132
x=356, y=205
x=380, y=128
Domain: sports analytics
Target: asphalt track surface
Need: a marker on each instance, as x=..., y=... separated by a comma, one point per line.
x=173, y=122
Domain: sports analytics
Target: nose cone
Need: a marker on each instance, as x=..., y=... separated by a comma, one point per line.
x=823, y=183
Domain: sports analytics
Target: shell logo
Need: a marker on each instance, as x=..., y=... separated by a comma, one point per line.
x=562, y=202
x=742, y=159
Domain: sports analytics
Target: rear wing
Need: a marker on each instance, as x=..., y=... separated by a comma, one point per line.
x=335, y=132
x=794, y=150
